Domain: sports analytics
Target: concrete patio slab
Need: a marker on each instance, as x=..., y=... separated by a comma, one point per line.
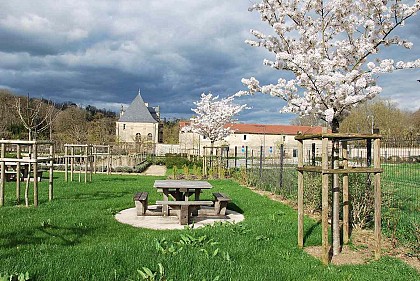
x=129, y=216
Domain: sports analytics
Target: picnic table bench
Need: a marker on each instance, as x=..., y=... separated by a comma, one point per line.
x=186, y=208
x=220, y=203
x=140, y=199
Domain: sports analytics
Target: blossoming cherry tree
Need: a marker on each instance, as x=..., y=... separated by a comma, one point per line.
x=333, y=49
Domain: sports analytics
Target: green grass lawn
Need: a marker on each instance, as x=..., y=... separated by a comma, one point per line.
x=75, y=237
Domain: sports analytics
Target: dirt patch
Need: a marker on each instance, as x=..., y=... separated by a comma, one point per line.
x=363, y=243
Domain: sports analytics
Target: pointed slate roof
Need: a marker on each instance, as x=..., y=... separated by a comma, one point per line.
x=137, y=112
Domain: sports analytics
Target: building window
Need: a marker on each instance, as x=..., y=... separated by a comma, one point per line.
x=149, y=136
x=295, y=152
x=284, y=138
x=123, y=126
x=138, y=137
x=244, y=137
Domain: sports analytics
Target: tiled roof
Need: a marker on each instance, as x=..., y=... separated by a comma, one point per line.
x=137, y=112
x=275, y=129
x=269, y=129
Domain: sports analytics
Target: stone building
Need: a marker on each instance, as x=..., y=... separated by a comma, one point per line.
x=139, y=123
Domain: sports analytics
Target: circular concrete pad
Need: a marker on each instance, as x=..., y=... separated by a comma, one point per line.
x=129, y=216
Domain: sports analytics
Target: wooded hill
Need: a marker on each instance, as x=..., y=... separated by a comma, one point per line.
x=62, y=122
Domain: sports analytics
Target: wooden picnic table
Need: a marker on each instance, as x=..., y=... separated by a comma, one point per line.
x=23, y=168
x=180, y=190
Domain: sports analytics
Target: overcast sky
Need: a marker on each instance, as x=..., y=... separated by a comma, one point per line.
x=101, y=52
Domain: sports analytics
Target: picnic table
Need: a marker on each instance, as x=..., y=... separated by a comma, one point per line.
x=11, y=169
x=180, y=191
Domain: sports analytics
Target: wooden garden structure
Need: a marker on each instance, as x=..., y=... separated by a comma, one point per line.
x=80, y=155
x=328, y=168
x=26, y=165
x=102, y=154
x=213, y=158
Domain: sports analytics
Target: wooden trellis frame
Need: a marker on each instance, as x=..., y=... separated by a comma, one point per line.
x=82, y=153
x=212, y=154
x=33, y=160
x=102, y=151
x=345, y=170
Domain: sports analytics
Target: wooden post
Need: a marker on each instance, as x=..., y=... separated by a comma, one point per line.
x=325, y=247
x=51, y=175
x=377, y=194
x=95, y=152
x=71, y=162
x=86, y=158
x=35, y=172
x=3, y=175
x=345, y=194
x=66, y=162
x=91, y=164
x=108, y=162
x=18, y=156
x=300, y=194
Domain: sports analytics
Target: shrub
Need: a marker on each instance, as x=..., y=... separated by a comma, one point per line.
x=176, y=160
x=141, y=167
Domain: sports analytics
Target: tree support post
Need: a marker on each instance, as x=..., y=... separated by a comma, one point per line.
x=66, y=163
x=377, y=192
x=300, y=194
x=51, y=174
x=35, y=172
x=345, y=194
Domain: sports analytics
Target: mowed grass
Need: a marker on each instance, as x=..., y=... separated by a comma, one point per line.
x=75, y=237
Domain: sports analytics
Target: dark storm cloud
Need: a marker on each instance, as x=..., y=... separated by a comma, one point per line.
x=101, y=52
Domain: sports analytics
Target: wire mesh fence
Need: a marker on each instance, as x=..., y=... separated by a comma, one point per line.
x=274, y=169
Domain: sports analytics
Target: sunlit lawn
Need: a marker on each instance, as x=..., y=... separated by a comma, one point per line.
x=75, y=237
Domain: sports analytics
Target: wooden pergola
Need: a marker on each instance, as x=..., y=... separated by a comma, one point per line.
x=33, y=160
x=326, y=170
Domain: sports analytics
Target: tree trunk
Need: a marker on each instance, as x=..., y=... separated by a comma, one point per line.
x=335, y=192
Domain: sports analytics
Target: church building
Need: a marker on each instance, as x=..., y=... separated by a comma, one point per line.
x=139, y=123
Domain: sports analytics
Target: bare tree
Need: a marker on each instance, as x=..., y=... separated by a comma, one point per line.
x=36, y=115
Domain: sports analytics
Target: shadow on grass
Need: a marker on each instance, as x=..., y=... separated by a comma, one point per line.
x=46, y=234
x=234, y=207
x=93, y=196
x=310, y=230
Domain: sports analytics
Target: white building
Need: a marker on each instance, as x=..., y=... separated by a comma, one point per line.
x=251, y=137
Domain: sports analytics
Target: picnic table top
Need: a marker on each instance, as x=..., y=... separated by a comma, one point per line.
x=182, y=184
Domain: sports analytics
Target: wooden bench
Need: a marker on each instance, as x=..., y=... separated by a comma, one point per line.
x=185, y=207
x=220, y=203
x=140, y=199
